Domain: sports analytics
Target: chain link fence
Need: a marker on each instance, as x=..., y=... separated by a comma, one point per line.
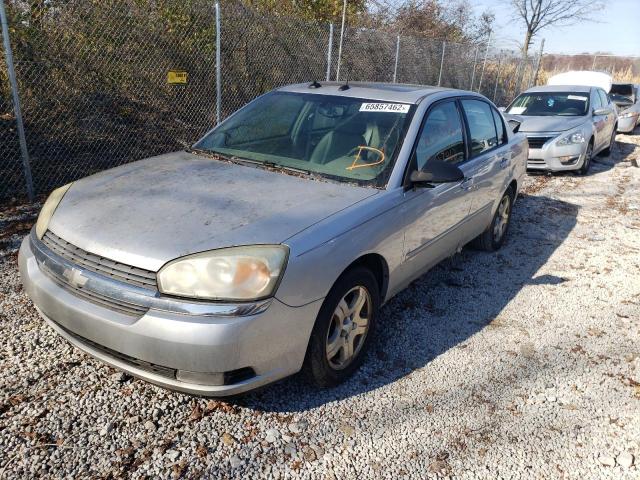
x=12, y=181
x=94, y=76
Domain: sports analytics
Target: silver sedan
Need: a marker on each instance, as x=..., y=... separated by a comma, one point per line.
x=566, y=125
x=270, y=246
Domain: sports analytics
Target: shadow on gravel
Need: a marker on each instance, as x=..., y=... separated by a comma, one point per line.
x=442, y=309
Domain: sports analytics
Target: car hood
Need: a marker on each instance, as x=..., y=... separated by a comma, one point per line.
x=547, y=124
x=151, y=211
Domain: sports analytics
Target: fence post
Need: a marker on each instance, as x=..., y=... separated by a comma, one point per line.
x=484, y=63
x=329, y=49
x=534, y=80
x=441, y=63
x=344, y=14
x=495, y=88
x=593, y=65
x=218, y=66
x=16, y=102
x=395, y=68
x=473, y=75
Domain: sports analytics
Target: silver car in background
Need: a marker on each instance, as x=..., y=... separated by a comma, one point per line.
x=565, y=125
x=270, y=246
x=626, y=96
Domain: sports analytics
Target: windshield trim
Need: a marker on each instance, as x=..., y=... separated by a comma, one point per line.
x=381, y=181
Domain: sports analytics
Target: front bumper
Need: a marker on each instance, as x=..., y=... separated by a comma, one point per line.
x=164, y=347
x=627, y=124
x=553, y=158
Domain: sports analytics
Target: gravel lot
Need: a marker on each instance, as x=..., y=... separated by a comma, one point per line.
x=521, y=364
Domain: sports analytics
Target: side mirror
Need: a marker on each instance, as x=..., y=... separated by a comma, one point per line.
x=436, y=171
x=600, y=111
x=514, y=125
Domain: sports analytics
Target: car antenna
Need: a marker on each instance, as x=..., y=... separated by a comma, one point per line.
x=314, y=84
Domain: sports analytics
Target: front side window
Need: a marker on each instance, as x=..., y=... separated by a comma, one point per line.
x=603, y=98
x=597, y=102
x=482, y=127
x=550, y=103
x=345, y=139
x=441, y=136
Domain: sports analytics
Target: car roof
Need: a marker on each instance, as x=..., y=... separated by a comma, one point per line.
x=561, y=88
x=386, y=92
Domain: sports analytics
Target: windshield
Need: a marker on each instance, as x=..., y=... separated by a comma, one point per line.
x=550, y=103
x=346, y=139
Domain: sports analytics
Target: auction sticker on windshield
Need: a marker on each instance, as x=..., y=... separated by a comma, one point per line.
x=385, y=107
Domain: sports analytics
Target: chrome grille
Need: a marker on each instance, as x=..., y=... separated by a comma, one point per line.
x=104, y=266
x=93, y=297
x=538, y=142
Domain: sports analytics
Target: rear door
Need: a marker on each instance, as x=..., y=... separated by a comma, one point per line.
x=487, y=168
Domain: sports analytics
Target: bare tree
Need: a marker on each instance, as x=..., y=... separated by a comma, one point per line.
x=540, y=14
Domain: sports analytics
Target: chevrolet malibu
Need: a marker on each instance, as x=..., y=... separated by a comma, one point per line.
x=270, y=245
x=565, y=125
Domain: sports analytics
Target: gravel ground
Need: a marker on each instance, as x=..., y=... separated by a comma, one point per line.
x=520, y=364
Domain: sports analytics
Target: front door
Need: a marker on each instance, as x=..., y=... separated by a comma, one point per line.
x=599, y=122
x=435, y=215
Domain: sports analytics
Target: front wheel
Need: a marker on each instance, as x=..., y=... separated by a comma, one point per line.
x=493, y=237
x=587, y=160
x=343, y=329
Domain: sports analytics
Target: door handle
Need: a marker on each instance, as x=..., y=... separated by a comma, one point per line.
x=467, y=184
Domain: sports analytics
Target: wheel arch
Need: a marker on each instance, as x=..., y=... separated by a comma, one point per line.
x=378, y=265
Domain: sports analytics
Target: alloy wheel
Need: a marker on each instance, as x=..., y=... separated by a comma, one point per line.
x=348, y=328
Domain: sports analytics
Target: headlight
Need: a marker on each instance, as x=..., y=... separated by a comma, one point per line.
x=48, y=208
x=236, y=273
x=571, y=139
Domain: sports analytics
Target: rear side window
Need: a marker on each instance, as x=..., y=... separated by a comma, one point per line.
x=441, y=137
x=502, y=133
x=481, y=126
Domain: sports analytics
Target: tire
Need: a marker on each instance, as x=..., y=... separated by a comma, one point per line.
x=607, y=151
x=489, y=240
x=584, y=169
x=333, y=328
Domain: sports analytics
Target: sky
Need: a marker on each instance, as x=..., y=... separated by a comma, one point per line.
x=617, y=30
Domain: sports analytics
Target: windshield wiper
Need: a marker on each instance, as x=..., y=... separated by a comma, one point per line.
x=221, y=156
x=251, y=163
x=277, y=166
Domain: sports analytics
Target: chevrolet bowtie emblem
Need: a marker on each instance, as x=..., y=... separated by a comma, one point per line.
x=74, y=277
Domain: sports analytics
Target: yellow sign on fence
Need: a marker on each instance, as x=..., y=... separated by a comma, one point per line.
x=177, y=77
